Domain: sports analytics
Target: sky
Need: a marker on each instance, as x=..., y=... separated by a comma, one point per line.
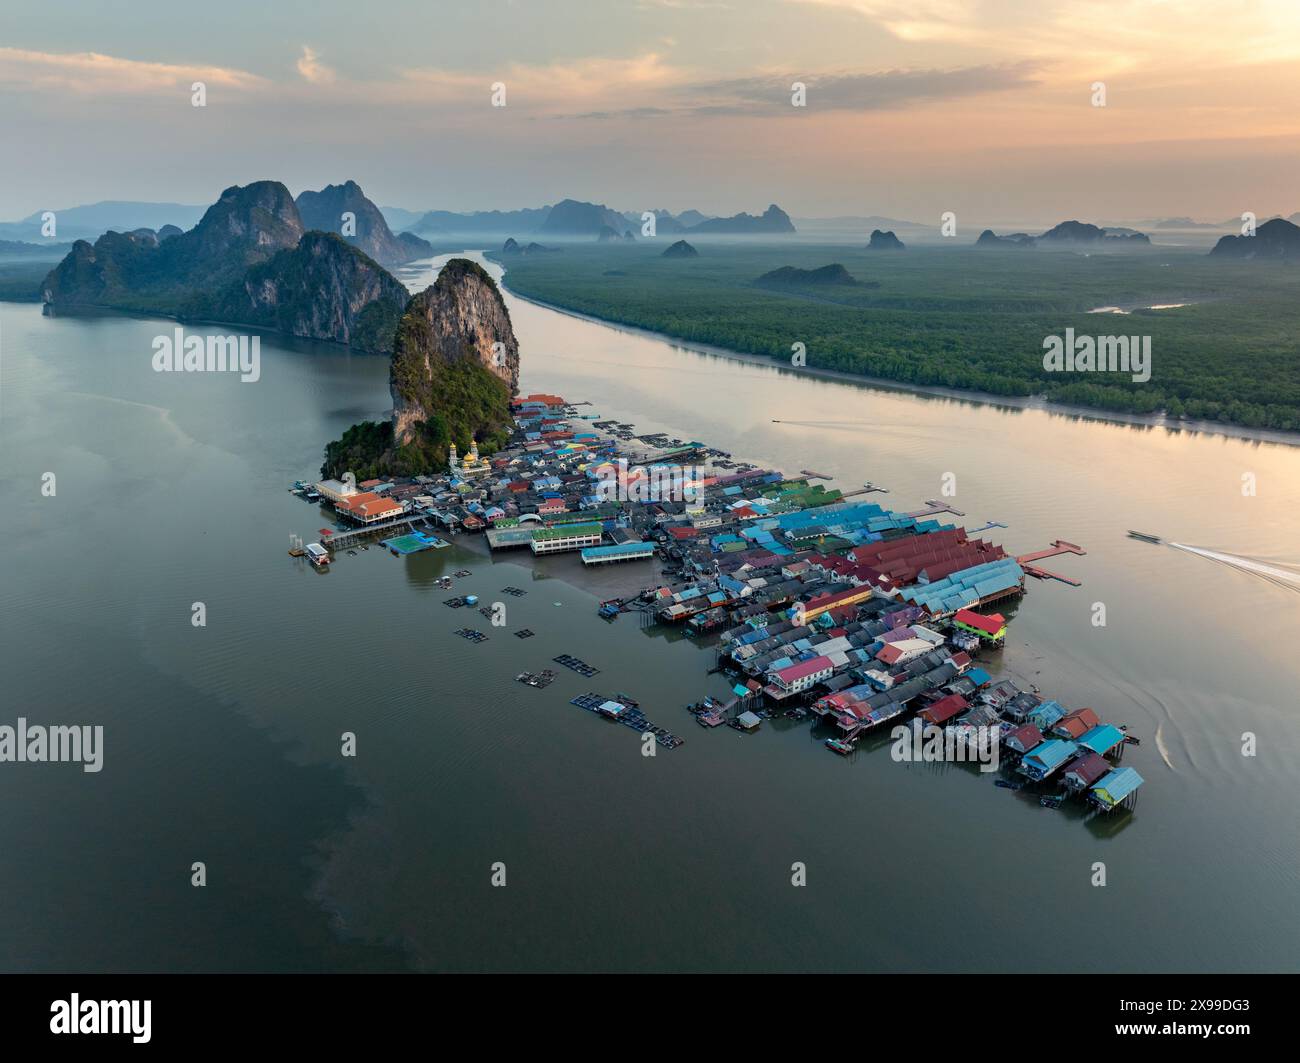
x=981, y=107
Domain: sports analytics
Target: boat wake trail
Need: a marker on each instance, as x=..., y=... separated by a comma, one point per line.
x=1279, y=577
x=1160, y=745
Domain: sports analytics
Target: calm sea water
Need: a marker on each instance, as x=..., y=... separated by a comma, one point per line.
x=222, y=743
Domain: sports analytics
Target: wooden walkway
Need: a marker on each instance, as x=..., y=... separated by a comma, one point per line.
x=1060, y=546
x=866, y=489
x=334, y=542
x=933, y=506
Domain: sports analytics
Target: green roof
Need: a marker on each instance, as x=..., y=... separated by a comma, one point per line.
x=586, y=516
x=567, y=531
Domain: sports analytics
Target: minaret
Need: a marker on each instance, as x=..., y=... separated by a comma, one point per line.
x=473, y=458
x=453, y=461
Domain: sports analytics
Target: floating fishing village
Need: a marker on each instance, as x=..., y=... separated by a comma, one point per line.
x=821, y=604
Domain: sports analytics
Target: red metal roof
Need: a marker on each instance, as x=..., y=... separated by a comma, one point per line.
x=803, y=668
x=1025, y=737
x=944, y=709
x=1089, y=768
x=889, y=654
x=991, y=624
x=1077, y=723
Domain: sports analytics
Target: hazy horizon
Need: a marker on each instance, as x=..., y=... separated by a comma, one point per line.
x=982, y=108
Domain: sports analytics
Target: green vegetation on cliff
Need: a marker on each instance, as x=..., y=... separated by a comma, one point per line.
x=466, y=402
x=454, y=351
x=471, y=404
x=364, y=450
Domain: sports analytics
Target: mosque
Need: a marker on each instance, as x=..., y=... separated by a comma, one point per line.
x=472, y=464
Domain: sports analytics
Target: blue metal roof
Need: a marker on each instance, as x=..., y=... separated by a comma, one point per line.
x=598, y=553
x=1046, y=714
x=1117, y=785
x=1050, y=755
x=1101, y=738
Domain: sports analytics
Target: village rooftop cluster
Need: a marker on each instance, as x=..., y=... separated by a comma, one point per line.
x=824, y=602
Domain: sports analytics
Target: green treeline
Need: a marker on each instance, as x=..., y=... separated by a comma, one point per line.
x=972, y=319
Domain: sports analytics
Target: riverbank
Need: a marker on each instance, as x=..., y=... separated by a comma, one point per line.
x=973, y=398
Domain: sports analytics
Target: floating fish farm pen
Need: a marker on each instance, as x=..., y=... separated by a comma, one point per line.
x=627, y=712
x=576, y=664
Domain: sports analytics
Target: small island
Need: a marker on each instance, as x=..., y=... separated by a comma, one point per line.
x=681, y=249
x=885, y=241
x=834, y=275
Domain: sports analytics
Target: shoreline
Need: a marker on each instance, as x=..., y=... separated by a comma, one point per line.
x=975, y=398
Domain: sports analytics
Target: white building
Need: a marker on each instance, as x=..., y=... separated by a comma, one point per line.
x=566, y=537
x=335, y=490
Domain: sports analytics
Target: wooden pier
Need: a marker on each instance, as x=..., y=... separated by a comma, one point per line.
x=934, y=506
x=866, y=489
x=347, y=538
x=1060, y=546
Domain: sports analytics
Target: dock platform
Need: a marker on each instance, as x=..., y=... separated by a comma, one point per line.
x=347, y=538
x=933, y=506
x=1060, y=546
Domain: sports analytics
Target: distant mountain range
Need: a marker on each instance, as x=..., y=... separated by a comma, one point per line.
x=1179, y=223
x=578, y=219
x=31, y=250
x=772, y=220
x=570, y=217
x=321, y=210
x=249, y=260
x=95, y=219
